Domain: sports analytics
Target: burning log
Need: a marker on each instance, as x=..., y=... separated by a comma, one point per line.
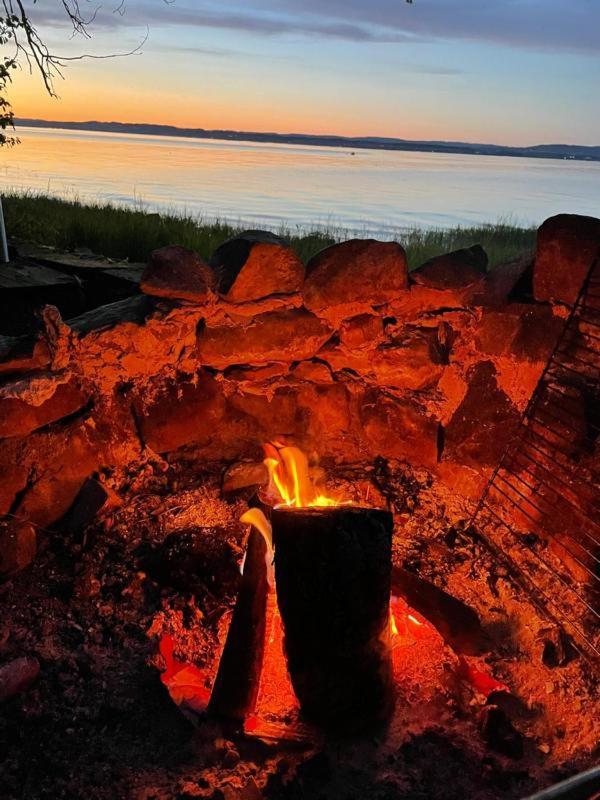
x=236, y=685
x=458, y=624
x=333, y=574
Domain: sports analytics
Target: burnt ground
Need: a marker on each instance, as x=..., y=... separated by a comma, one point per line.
x=99, y=724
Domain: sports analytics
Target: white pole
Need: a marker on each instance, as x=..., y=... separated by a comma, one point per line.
x=3, y=242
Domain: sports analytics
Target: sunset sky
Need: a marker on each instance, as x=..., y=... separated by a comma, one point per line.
x=505, y=71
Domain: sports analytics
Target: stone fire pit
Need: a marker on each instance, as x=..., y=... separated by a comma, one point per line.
x=140, y=422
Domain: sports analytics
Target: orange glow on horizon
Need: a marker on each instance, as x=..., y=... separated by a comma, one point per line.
x=83, y=101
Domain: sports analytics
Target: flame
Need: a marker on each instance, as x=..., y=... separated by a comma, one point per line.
x=407, y=625
x=290, y=483
x=256, y=518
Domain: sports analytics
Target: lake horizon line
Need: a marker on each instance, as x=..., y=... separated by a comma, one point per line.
x=554, y=151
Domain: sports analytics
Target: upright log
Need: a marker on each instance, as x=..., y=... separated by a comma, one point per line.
x=333, y=574
x=236, y=686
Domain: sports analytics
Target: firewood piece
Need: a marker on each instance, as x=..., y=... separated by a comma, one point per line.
x=133, y=310
x=236, y=685
x=458, y=624
x=333, y=573
x=91, y=499
x=499, y=733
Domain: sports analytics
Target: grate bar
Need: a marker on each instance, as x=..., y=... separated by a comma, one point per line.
x=529, y=430
x=547, y=532
x=553, y=476
x=591, y=426
x=577, y=344
x=564, y=422
x=562, y=615
x=581, y=360
x=547, y=480
x=556, y=508
x=560, y=365
x=551, y=430
x=552, y=569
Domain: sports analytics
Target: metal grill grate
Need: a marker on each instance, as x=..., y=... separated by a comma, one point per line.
x=540, y=511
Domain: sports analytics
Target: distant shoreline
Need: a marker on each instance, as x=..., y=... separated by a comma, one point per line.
x=553, y=151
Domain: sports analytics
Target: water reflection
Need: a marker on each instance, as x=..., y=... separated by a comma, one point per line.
x=271, y=184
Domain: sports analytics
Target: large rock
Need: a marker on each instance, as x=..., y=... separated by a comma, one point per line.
x=275, y=336
x=23, y=354
x=13, y=475
x=528, y=332
x=567, y=245
x=252, y=419
x=353, y=276
x=361, y=332
x=398, y=428
x=256, y=264
x=178, y=274
x=346, y=362
x=181, y=412
x=497, y=330
x=415, y=362
x=456, y=270
x=312, y=372
x=258, y=376
x=508, y=282
x=130, y=342
x=243, y=474
x=116, y=428
x=59, y=461
x=483, y=423
x=326, y=412
x=37, y=400
x=17, y=546
x=538, y=333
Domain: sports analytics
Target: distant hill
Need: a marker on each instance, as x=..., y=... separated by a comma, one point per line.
x=562, y=151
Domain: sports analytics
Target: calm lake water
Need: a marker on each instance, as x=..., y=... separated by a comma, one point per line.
x=268, y=185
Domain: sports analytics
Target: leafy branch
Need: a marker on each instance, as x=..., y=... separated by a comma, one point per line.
x=21, y=38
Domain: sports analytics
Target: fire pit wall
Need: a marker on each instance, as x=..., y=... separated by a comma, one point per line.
x=350, y=359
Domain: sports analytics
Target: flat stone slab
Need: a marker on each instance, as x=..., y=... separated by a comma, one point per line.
x=28, y=275
x=60, y=260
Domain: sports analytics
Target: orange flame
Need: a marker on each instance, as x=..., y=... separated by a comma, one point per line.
x=290, y=483
x=407, y=625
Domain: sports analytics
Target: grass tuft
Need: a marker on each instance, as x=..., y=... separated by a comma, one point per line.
x=129, y=233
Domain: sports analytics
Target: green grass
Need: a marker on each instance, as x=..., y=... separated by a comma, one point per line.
x=123, y=233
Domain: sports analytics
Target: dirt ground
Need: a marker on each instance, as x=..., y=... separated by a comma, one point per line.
x=99, y=724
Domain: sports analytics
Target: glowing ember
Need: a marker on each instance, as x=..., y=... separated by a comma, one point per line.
x=186, y=684
x=290, y=483
x=406, y=625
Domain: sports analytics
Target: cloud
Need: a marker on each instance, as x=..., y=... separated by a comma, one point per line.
x=555, y=25
x=538, y=24
x=155, y=12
